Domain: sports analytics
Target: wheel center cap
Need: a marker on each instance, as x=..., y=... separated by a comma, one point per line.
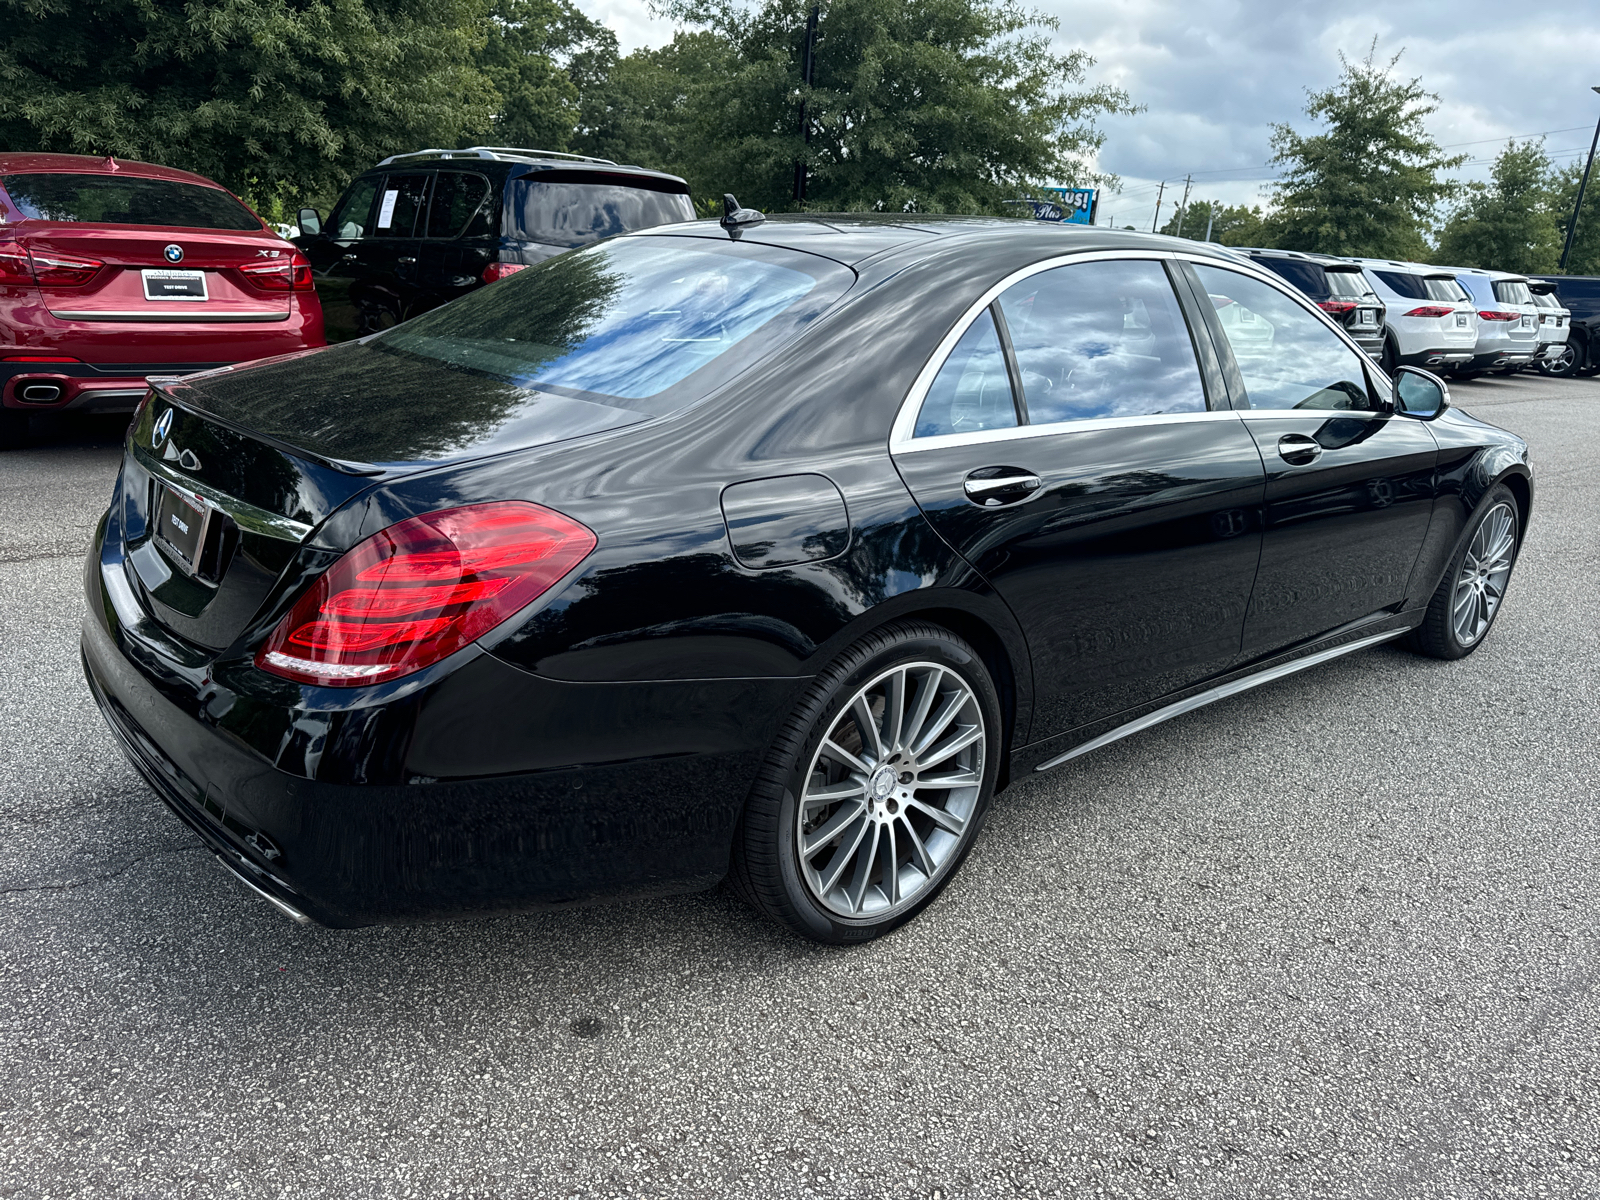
x=882, y=783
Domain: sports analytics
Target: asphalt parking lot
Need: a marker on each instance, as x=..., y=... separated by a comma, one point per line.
x=1335, y=937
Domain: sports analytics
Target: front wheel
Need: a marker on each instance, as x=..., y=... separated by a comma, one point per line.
x=1469, y=596
x=875, y=788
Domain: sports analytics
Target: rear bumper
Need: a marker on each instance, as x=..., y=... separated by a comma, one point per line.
x=1437, y=356
x=1506, y=357
x=83, y=387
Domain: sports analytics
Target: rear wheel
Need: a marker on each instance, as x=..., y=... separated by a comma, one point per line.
x=1469, y=596
x=1389, y=360
x=875, y=787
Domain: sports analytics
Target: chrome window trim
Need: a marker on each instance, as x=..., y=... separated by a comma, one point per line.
x=902, y=439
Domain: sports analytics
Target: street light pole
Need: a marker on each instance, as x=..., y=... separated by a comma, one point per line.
x=1577, y=206
x=807, y=62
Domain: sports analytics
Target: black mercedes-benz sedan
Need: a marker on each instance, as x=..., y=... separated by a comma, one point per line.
x=766, y=550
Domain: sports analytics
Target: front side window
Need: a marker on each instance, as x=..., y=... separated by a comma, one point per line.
x=561, y=211
x=127, y=200
x=973, y=389
x=1288, y=358
x=399, y=204
x=350, y=220
x=1101, y=339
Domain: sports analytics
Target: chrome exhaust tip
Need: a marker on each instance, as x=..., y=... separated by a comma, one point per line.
x=39, y=393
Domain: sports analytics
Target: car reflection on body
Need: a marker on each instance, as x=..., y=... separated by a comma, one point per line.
x=768, y=550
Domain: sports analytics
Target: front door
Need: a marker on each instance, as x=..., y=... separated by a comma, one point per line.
x=385, y=294
x=1349, y=485
x=335, y=257
x=1066, y=448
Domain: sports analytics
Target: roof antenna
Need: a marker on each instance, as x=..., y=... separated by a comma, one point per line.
x=111, y=162
x=735, y=217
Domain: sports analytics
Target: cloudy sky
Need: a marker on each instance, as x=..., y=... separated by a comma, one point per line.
x=1214, y=75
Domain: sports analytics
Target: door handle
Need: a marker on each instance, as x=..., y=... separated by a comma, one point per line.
x=407, y=260
x=349, y=258
x=1298, y=450
x=993, y=486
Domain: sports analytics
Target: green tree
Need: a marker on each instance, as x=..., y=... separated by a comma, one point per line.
x=1507, y=224
x=270, y=97
x=1230, y=224
x=1585, y=256
x=540, y=56
x=915, y=105
x=1370, y=182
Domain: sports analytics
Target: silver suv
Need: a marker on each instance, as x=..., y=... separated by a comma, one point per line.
x=1508, y=319
x=1429, y=320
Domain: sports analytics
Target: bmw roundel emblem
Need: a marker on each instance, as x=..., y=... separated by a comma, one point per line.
x=163, y=427
x=174, y=253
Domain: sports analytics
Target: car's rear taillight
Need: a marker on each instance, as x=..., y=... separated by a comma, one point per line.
x=62, y=270
x=499, y=270
x=1430, y=310
x=422, y=589
x=1500, y=316
x=14, y=265
x=1337, y=307
x=292, y=274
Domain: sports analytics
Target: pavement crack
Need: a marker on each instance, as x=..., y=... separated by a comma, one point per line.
x=72, y=884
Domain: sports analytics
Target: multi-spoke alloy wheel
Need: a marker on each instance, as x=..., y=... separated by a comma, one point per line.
x=875, y=787
x=891, y=790
x=1481, y=582
x=1469, y=597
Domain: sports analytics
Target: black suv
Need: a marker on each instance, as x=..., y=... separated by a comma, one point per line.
x=1337, y=287
x=420, y=229
x=1579, y=295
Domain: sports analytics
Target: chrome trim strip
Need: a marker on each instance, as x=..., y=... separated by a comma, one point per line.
x=188, y=318
x=246, y=516
x=1055, y=428
x=1220, y=692
x=288, y=910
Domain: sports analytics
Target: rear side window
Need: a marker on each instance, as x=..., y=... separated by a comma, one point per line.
x=973, y=389
x=1101, y=339
x=1512, y=291
x=1403, y=283
x=642, y=323
x=1347, y=285
x=1309, y=277
x=399, y=205
x=126, y=200
x=1582, y=296
x=561, y=210
x=459, y=207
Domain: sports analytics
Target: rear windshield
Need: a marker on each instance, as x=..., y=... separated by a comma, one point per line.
x=113, y=200
x=575, y=211
x=1445, y=289
x=1309, y=277
x=642, y=323
x=1512, y=291
x=1347, y=284
x=1545, y=301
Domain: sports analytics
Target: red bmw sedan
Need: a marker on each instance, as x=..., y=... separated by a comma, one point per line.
x=111, y=272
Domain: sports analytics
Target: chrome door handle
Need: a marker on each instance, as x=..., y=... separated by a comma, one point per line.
x=990, y=490
x=407, y=260
x=1298, y=450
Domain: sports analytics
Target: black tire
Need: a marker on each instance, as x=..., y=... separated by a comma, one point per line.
x=767, y=871
x=1439, y=635
x=1566, y=362
x=374, y=316
x=13, y=429
x=1389, y=359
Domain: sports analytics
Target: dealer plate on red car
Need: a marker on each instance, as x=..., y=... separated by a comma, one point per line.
x=180, y=522
x=174, y=285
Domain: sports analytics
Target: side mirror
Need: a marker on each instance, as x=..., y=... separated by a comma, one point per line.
x=1420, y=394
x=310, y=222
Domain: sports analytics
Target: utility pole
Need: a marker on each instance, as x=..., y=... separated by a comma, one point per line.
x=1577, y=207
x=1160, y=192
x=1183, y=207
x=807, y=62
x=1211, y=217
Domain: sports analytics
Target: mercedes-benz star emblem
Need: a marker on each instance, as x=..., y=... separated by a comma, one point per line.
x=163, y=427
x=174, y=253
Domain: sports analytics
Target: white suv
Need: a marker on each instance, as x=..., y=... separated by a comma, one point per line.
x=1555, y=322
x=1508, y=319
x=1430, y=321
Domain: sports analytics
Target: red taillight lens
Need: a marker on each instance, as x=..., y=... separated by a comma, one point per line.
x=1337, y=306
x=499, y=270
x=61, y=270
x=1500, y=316
x=421, y=590
x=292, y=274
x=1430, y=310
x=38, y=358
x=14, y=267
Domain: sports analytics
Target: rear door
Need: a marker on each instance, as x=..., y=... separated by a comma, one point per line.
x=1349, y=486
x=1066, y=448
x=459, y=238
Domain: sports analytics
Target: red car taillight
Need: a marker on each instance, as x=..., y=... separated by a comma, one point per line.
x=422, y=589
x=1430, y=310
x=1500, y=316
x=1338, y=307
x=61, y=270
x=499, y=270
x=291, y=274
x=14, y=267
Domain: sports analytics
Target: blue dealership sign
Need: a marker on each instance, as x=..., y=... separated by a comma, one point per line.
x=1077, y=204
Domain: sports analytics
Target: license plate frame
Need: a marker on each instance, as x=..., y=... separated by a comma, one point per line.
x=1367, y=318
x=167, y=287
x=1462, y=321
x=1527, y=321
x=182, y=521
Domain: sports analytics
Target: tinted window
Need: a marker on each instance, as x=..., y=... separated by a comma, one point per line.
x=1309, y=277
x=1582, y=296
x=1347, y=285
x=627, y=321
x=1544, y=301
x=109, y=200
x=1512, y=291
x=1101, y=339
x=572, y=213
x=1289, y=359
x=458, y=207
x=354, y=213
x=1403, y=283
x=399, y=204
x=972, y=390
x=1445, y=289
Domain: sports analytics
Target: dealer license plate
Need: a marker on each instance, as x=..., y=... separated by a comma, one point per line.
x=1527, y=321
x=1366, y=316
x=174, y=285
x=1461, y=320
x=180, y=523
